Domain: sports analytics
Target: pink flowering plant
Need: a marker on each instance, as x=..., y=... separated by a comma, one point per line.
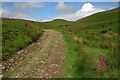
x=102, y=63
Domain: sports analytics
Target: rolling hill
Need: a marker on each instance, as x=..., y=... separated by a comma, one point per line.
x=57, y=23
x=107, y=20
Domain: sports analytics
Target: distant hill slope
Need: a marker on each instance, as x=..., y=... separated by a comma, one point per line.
x=57, y=23
x=107, y=20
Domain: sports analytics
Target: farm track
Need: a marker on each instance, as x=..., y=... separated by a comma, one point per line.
x=41, y=59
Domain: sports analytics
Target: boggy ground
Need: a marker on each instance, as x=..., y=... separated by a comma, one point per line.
x=41, y=59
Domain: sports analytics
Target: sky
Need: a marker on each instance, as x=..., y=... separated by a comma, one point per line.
x=47, y=11
x=60, y=0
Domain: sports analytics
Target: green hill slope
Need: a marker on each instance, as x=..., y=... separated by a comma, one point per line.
x=107, y=20
x=16, y=34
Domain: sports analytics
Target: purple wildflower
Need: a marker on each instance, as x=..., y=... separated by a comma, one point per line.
x=102, y=62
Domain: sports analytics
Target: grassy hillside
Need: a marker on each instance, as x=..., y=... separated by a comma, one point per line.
x=16, y=34
x=85, y=40
x=57, y=23
x=99, y=21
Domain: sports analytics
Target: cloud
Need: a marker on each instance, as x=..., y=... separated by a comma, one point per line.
x=36, y=4
x=87, y=7
x=39, y=19
x=112, y=8
x=9, y=14
x=0, y=9
x=21, y=6
x=27, y=5
x=63, y=7
x=86, y=10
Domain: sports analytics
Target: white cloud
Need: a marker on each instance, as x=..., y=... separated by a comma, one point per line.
x=9, y=14
x=87, y=7
x=40, y=19
x=63, y=7
x=6, y=13
x=21, y=6
x=36, y=4
x=0, y=12
x=112, y=7
x=86, y=10
x=27, y=5
x=46, y=20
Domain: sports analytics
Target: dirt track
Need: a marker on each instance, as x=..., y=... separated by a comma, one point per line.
x=41, y=59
